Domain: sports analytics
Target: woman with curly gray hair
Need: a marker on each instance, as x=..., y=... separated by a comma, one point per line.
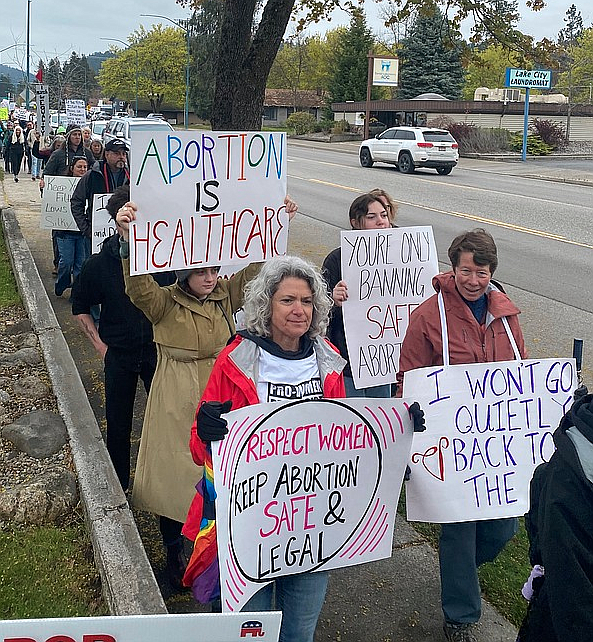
x=280, y=356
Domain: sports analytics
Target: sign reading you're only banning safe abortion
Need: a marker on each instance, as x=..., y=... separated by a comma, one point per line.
x=388, y=273
x=207, y=198
x=306, y=486
x=488, y=425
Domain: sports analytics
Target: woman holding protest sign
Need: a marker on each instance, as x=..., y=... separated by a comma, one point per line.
x=373, y=211
x=192, y=322
x=469, y=320
x=286, y=315
x=71, y=244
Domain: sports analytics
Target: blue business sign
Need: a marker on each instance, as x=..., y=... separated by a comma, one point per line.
x=528, y=78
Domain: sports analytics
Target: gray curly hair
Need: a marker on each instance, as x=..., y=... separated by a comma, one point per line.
x=259, y=293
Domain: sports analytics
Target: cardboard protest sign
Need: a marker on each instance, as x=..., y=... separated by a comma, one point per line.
x=55, y=204
x=488, y=426
x=43, y=115
x=388, y=273
x=214, y=627
x=103, y=224
x=207, y=198
x=306, y=486
x=75, y=112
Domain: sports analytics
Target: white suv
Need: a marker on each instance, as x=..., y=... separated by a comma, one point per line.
x=411, y=147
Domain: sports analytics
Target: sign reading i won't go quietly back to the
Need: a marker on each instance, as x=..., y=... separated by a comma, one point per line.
x=306, y=486
x=207, y=198
x=488, y=425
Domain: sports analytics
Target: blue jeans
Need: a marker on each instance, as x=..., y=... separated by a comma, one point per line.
x=379, y=392
x=35, y=169
x=72, y=253
x=463, y=547
x=299, y=597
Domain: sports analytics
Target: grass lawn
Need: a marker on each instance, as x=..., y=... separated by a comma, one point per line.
x=44, y=571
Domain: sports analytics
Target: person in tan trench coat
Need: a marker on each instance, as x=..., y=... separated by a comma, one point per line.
x=192, y=322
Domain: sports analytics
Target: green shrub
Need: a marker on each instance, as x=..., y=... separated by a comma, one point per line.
x=301, y=122
x=476, y=140
x=340, y=127
x=535, y=145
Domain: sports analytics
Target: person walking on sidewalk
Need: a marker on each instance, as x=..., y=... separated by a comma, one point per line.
x=103, y=177
x=124, y=339
x=16, y=151
x=481, y=324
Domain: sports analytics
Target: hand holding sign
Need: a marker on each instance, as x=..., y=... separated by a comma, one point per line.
x=211, y=426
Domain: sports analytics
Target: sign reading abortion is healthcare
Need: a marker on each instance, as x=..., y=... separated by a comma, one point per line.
x=306, y=486
x=207, y=198
x=488, y=425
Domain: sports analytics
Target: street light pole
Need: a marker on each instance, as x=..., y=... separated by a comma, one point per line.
x=127, y=46
x=180, y=25
x=28, y=46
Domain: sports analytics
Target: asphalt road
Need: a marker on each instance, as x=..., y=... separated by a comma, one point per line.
x=543, y=229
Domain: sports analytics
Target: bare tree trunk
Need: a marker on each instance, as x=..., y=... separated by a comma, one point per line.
x=244, y=62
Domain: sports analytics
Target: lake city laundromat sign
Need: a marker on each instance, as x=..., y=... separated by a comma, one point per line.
x=306, y=486
x=528, y=78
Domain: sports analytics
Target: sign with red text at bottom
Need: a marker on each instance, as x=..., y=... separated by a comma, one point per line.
x=488, y=425
x=214, y=627
x=207, y=198
x=306, y=486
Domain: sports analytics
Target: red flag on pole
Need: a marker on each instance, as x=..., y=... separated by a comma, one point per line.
x=39, y=75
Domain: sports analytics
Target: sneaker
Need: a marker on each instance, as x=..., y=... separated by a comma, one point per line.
x=16, y=180
x=459, y=632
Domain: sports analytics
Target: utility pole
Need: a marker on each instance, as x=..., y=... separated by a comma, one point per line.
x=28, y=47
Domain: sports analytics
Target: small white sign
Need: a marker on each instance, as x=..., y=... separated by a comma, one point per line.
x=385, y=71
x=488, y=425
x=75, y=112
x=214, y=627
x=103, y=224
x=55, y=204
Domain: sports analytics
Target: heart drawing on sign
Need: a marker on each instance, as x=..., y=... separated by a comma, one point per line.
x=430, y=452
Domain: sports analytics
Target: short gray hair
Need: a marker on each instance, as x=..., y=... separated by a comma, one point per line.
x=259, y=293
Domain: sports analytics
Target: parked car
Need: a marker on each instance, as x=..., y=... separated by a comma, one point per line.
x=411, y=147
x=97, y=128
x=156, y=115
x=121, y=128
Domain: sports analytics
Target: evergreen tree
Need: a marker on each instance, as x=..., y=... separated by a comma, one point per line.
x=348, y=81
x=431, y=58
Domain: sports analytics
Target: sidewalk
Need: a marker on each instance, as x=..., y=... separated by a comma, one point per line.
x=393, y=600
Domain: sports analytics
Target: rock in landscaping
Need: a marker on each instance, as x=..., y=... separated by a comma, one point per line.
x=31, y=387
x=46, y=499
x=40, y=433
x=25, y=340
x=18, y=327
x=26, y=356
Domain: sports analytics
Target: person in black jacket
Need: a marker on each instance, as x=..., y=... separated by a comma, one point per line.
x=124, y=339
x=560, y=528
x=103, y=178
x=16, y=151
x=374, y=210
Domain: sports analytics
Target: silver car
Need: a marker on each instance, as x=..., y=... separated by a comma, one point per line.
x=411, y=147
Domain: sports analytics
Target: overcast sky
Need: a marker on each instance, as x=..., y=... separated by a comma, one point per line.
x=59, y=27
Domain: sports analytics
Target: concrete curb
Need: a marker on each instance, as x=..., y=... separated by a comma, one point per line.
x=128, y=582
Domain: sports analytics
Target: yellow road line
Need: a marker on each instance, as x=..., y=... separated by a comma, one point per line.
x=471, y=217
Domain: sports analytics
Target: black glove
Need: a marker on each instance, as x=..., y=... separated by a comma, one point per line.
x=407, y=474
x=211, y=426
x=418, y=417
x=580, y=392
